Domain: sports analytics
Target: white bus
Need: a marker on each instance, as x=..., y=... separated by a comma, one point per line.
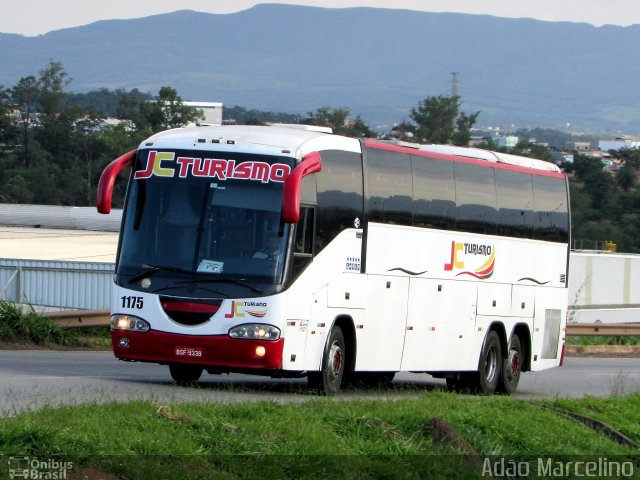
x=293, y=252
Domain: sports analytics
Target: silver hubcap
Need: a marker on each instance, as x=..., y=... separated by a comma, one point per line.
x=491, y=364
x=514, y=364
x=335, y=361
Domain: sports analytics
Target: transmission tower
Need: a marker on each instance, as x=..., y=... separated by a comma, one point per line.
x=454, y=84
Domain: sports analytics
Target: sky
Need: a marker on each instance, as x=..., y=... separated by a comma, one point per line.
x=35, y=17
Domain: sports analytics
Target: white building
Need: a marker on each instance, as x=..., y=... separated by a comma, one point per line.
x=617, y=144
x=504, y=141
x=212, y=111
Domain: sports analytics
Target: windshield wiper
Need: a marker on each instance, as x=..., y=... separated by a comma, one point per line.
x=170, y=287
x=235, y=281
x=153, y=269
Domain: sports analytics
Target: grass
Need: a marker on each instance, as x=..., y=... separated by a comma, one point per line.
x=602, y=340
x=17, y=325
x=322, y=438
x=623, y=415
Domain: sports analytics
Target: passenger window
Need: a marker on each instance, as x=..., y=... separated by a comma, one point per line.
x=390, y=187
x=551, y=209
x=434, y=192
x=515, y=203
x=475, y=199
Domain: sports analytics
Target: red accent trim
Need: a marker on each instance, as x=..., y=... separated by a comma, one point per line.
x=455, y=158
x=311, y=163
x=191, y=307
x=475, y=275
x=449, y=266
x=108, y=179
x=487, y=270
x=217, y=350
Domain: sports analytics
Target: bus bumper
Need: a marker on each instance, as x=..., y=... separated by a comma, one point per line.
x=216, y=351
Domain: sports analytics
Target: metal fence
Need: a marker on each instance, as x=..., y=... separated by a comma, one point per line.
x=78, y=285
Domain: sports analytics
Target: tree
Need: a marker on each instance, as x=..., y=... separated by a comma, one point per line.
x=631, y=156
x=149, y=117
x=8, y=130
x=25, y=95
x=340, y=123
x=51, y=84
x=438, y=120
x=169, y=112
x=626, y=178
x=464, y=124
x=527, y=149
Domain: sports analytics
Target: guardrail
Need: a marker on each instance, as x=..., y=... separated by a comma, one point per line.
x=80, y=318
x=597, y=329
x=100, y=318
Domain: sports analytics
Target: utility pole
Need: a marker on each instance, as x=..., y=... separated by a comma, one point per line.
x=454, y=84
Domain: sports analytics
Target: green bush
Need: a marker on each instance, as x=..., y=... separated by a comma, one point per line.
x=16, y=325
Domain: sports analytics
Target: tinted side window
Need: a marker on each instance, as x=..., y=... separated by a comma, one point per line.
x=303, y=241
x=551, y=209
x=515, y=203
x=339, y=195
x=390, y=187
x=434, y=192
x=475, y=199
x=304, y=231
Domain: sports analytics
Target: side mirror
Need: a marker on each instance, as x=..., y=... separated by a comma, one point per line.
x=311, y=163
x=108, y=179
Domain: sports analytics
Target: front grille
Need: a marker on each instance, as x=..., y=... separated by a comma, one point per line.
x=189, y=312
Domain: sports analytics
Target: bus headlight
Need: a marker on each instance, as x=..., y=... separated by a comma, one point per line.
x=129, y=323
x=255, y=331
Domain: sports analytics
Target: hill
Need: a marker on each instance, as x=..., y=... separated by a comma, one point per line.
x=377, y=62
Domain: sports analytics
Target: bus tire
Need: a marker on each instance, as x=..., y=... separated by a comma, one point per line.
x=512, y=367
x=490, y=365
x=185, y=374
x=329, y=380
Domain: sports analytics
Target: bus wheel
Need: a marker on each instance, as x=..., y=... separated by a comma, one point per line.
x=488, y=375
x=329, y=379
x=512, y=367
x=184, y=374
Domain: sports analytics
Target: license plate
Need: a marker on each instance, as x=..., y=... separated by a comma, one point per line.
x=192, y=352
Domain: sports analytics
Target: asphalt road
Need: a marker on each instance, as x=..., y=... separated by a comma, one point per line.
x=33, y=379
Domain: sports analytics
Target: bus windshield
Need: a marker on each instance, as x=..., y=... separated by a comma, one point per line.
x=204, y=224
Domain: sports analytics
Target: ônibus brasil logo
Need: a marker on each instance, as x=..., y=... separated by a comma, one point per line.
x=469, y=252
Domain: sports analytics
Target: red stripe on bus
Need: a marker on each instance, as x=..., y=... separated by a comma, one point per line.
x=456, y=158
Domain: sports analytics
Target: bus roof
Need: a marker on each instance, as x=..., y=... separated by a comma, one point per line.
x=474, y=154
x=293, y=140
x=491, y=156
x=299, y=140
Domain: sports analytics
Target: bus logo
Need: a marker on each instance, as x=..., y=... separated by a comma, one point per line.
x=460, y=251
x=164, y=164
x=255, y=309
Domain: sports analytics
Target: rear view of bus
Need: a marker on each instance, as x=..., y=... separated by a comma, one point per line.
x=288, y=251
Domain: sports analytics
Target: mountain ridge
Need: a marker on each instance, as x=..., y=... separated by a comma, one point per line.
x=377, y=62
